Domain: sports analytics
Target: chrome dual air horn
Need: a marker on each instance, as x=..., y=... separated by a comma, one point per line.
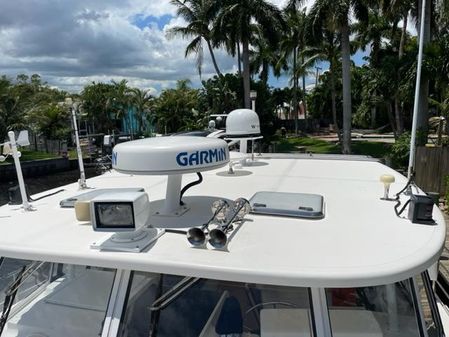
x=197, y=236
x=218, y=237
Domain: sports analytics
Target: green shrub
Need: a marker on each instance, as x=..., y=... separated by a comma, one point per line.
x=400, y=151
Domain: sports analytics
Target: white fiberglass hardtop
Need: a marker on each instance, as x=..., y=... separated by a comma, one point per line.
x=294, y=270
x=360, y=241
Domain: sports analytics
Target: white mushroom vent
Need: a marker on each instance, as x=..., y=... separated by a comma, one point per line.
x=242, y=123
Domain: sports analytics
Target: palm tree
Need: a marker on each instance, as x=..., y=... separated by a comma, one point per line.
x=326, y=48
x=242, y=14
x=121, y=102
x=51, y=120
x=226, y=35
x=335, y=14
x=293, y=41
x=96, y=98
x=395, y=10
x=199, y=15
x=262, y=56
x=176, y=109
x=371, y=34
x=141, y=102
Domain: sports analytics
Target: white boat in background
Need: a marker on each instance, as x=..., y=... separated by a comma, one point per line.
x=323, y=252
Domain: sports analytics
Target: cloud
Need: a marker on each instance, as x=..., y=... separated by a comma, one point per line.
x=71, y=43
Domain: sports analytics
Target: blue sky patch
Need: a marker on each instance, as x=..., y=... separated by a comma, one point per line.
x=283, y=80
x=142, y=21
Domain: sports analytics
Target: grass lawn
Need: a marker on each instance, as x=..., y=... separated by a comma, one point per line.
x=31, y=155
x=374, y=149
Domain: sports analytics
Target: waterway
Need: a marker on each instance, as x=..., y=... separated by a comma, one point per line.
x=43, y=183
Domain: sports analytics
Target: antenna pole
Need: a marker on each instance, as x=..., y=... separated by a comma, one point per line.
x=411, y=163
x=12, y=140
x=82, y=180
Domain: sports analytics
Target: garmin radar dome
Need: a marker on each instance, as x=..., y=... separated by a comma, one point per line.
x=170, y=155
x=242, y=123
x=173, y=157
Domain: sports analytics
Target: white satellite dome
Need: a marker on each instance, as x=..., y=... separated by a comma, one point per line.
x=170, y=155
x=241, y=123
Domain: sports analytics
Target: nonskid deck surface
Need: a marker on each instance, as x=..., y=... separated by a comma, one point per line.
x=359, y=242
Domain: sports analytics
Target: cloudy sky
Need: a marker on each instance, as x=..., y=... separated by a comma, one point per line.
x=73, y=42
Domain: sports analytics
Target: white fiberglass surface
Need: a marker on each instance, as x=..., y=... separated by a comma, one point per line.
x=72, y=303
x=359, y=242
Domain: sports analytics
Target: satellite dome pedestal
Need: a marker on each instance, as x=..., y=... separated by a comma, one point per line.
x=173, y=157
x=173, y=196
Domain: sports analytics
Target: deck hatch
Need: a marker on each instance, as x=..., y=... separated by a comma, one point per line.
x=298, y=205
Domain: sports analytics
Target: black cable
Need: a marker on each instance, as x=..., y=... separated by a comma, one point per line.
x=176, y=231
x=189, y=185
x=398, y=213
x=45, y=196
x=410, y=182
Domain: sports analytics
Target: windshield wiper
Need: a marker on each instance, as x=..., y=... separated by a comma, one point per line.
x=165, y=299
x=11, y=292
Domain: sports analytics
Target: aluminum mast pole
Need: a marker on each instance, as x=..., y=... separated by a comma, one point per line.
x=12, y=141
x=411, y=163
x=82, y=180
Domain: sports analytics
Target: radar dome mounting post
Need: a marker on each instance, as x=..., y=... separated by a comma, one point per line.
x=173, y=157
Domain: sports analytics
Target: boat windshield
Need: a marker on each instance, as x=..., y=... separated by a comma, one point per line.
x=9, y=271
x=46, y=299
x=167, y=305
x=384, y=311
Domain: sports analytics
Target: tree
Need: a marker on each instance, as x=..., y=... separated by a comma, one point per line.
x=97, y=102
x=121, y=103
x=242, y=14
x=394, y=11
x=51, y=120
x=10, y=107
x=262, y=56
x=177, y=109
x=335, y=13
x=292, y=43
x=325, y=48
x=141, y=101
x=19, y=98
x=198, y=15
x=370, y=34
x=221, y=95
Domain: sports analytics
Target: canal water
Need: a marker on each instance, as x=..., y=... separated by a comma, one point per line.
x=43, y=183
